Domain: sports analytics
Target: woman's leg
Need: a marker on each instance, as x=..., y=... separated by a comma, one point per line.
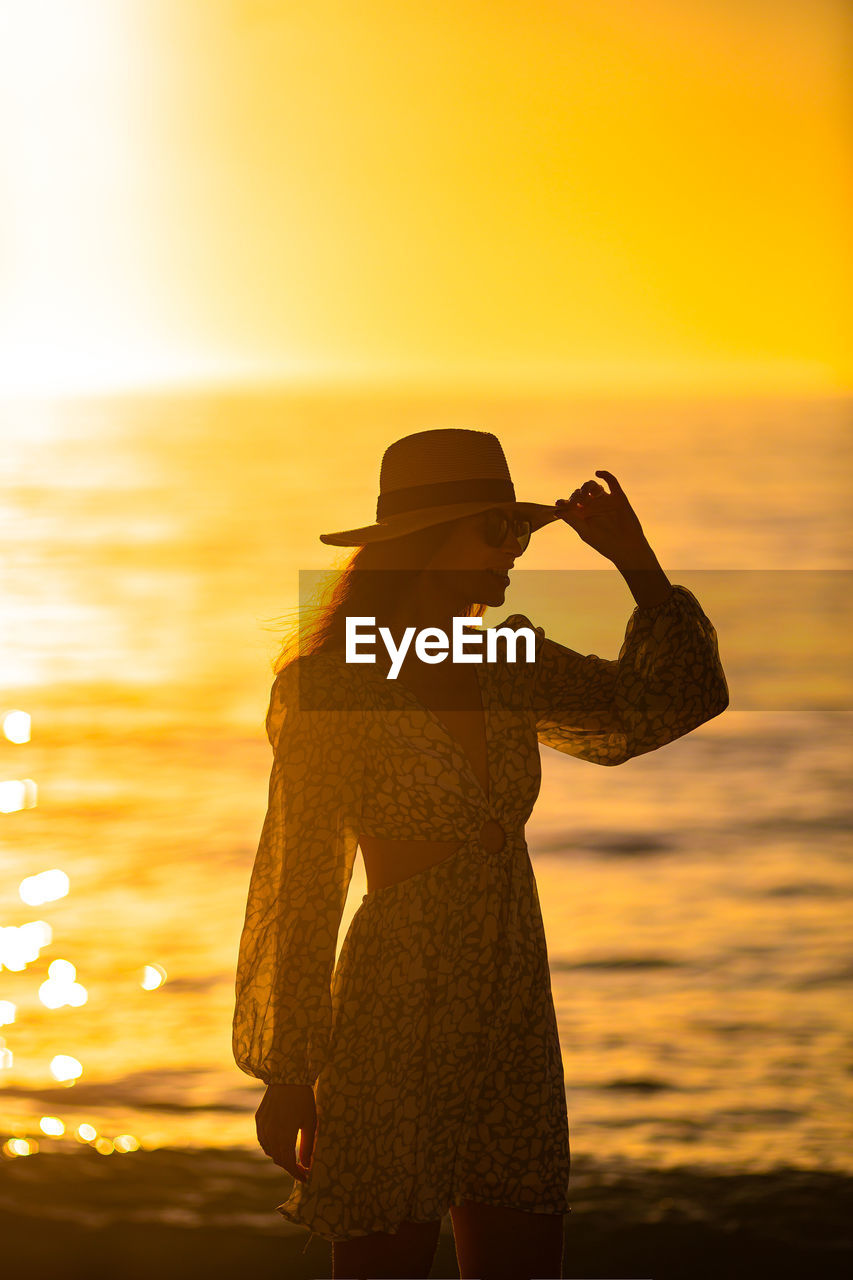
x=494, y=1243
x=408, y=1252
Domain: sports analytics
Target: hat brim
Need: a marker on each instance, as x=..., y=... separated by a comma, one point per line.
x=410, y=522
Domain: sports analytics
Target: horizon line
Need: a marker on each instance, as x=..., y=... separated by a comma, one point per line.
x=374, y=385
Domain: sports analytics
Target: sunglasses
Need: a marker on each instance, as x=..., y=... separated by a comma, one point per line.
x=496, y=524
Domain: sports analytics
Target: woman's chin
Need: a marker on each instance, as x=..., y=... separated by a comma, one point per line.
x=493, y=588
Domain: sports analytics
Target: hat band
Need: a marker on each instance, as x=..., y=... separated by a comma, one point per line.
x=418, y=496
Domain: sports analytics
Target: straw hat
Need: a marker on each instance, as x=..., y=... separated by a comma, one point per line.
x=431, y=477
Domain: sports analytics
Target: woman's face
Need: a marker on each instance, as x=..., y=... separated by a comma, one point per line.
x=468, y=567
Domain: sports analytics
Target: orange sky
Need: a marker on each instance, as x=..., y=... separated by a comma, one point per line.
x=603, y=194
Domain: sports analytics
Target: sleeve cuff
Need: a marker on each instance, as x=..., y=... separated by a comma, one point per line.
x=652, y=610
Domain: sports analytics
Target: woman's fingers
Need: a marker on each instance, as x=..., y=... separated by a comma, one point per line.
x=615, y=486
x=289, y=1163
x=286, y=1158
x=587, y=491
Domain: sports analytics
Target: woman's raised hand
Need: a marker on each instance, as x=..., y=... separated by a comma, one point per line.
x=284, y=1110
x=605, y=521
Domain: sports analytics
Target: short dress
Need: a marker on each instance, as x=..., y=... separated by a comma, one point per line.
x=432, y=1045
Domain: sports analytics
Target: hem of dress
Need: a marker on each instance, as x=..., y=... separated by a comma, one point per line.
x=387, y=1226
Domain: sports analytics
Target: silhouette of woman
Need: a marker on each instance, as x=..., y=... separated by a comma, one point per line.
x=424, y=1071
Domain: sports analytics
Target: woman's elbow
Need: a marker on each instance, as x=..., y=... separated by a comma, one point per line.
x=716, y=701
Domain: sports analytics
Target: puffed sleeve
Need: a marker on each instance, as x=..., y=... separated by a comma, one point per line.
x=667, y=680
x=300, y=877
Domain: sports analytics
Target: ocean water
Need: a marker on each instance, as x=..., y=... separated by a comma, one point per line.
x=697, y=900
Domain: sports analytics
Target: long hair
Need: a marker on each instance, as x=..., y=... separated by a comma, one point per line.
x=364, y=587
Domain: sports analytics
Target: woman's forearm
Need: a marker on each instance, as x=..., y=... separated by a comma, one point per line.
x=646, y=580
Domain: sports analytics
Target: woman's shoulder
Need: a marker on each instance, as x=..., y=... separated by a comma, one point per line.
x=318, y=684
x=516, y=620
x=318, y=681
x=520, y=622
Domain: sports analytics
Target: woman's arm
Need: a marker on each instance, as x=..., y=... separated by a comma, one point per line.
x=646, y=580
x=299, y=882
x=668, y=678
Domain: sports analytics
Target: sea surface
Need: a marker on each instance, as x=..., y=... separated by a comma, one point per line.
x=697, y=900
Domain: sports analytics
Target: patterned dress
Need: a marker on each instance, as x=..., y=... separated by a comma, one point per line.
x=432, y=1045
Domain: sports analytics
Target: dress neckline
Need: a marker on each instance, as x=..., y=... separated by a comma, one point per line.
x=454, y=742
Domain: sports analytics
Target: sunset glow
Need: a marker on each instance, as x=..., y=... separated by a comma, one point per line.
x=248, y=247
x=642, y=196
